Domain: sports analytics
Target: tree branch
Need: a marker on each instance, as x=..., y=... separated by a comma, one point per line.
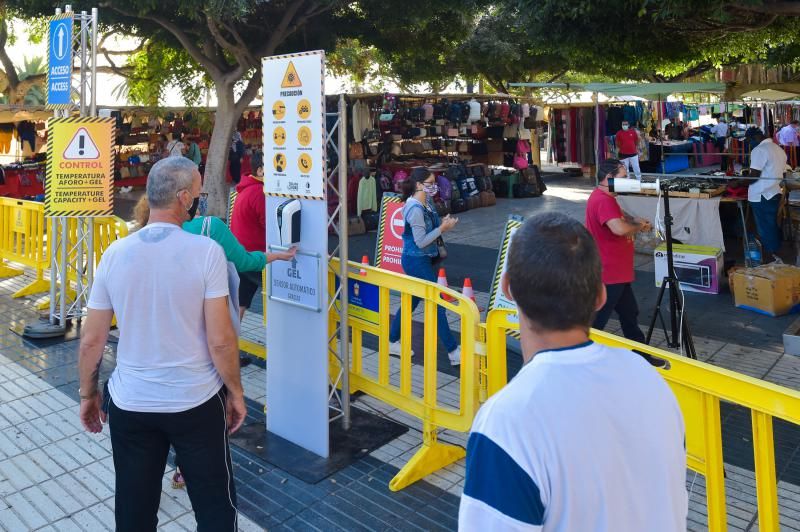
x=8, y=64
x=250, y=91
x=239, y=51
x=212, y=66
x=280, y=32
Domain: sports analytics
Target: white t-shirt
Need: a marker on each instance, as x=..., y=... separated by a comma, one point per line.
x=156, y=280
x=770, y=159
x=587, y=438
x=720, y=130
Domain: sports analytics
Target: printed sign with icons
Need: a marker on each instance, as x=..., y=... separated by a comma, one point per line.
x=279, y=136
x=294, y=98
x=279, y=110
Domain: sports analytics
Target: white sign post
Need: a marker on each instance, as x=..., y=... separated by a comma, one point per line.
x=297, y=328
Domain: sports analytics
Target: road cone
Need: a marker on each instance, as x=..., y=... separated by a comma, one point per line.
x=467, y=291
x=442, y=280
x=364, y=262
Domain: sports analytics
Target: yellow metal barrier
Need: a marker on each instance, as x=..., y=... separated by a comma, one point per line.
x=23, y=241
x=107, y=229
x=433, y=455
x=699, y=388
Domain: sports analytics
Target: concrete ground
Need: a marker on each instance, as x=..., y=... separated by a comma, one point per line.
x=53, y=476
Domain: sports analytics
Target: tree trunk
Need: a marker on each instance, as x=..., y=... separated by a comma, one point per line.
x=214, y=178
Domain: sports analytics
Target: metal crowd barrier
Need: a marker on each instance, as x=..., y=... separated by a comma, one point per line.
x=396, y=389
x=23, y=241
x=699, y=388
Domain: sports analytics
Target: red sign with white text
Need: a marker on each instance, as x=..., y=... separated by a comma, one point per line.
x=390, y=235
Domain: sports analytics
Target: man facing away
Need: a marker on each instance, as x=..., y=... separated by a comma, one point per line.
x=628, y=148
x=585, y=437
x=767, y=165
x=177, y=376
x=787, y=136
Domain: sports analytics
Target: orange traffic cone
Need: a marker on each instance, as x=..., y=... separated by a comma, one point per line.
x=442, y=280
x=364, y=262
x=467, y=290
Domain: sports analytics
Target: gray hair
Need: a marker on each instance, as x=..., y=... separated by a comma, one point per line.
x=166, y=178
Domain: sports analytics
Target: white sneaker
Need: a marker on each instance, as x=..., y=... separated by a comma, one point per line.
x=455, y=356
x=394, y=349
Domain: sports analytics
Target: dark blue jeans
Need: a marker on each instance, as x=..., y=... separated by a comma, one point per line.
x=766, y=214
x=620, y=298
x=422, y=268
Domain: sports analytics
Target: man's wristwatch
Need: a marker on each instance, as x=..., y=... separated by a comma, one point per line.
x=87, y=397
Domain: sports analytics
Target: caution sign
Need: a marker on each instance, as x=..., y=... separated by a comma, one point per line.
x=498, y=300
x=291, y=78
x=294, y=118
x=80, y=167
x=389, y=246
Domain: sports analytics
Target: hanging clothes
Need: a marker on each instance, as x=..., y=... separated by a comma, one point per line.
x=367, y=197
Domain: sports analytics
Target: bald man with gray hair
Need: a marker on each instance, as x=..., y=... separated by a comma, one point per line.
x=176, y=380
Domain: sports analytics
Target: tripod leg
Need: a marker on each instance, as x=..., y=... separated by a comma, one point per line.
x=674, y=305
x=686, y=334
x=656, y=312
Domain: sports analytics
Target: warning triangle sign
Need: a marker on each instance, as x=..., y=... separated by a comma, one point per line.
x=81, y=146
x=291, y=79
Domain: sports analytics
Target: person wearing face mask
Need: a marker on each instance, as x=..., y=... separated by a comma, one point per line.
x=423, y=229
x=628, y=148
x=177, y=379
x=249, y=226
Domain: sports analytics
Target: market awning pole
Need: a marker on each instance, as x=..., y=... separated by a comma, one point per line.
x=596, y=137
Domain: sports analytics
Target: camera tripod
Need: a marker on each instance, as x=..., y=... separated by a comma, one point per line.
x=678, y=334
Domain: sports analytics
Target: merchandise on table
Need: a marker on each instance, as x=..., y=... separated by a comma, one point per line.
x=698, y=268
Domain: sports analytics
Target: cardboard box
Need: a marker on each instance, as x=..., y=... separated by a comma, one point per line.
x=698, y=268
x=771, y=289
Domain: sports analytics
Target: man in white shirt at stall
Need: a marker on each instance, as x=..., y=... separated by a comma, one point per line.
x=787, y=136
x=767, y=164
x=720, y=132
x=585, y=437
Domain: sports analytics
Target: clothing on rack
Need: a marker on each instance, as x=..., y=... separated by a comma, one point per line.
x=367, y=198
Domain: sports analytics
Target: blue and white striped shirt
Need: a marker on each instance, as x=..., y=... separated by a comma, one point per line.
x=587, y=438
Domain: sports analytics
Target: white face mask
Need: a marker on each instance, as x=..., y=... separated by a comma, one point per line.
x=625, y=127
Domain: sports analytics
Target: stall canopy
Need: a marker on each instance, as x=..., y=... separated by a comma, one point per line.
x=770, y=95
x=18, y=113
x=650, y=91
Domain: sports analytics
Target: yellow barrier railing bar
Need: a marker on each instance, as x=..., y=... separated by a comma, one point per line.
x=433, y=454
x=23, y=241
x=249, y=346
x=699, y=388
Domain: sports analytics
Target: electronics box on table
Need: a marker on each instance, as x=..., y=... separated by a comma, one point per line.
x=771, y=289
x=698, y=268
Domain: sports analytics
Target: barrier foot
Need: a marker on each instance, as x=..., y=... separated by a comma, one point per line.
x=431, y=457
x=7, y=271
x=36, y=287
x=45, y=304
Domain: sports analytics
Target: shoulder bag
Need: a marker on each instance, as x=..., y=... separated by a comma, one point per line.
x=233, y=282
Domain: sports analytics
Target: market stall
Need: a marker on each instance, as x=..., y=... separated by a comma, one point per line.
x=23, y=138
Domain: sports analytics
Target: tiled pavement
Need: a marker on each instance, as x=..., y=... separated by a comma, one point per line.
x=55, y=477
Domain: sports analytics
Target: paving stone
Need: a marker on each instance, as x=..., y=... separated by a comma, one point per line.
x=26, y=511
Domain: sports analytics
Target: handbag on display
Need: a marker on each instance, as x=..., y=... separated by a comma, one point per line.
x=474, y=202
x=529, y=122
x=371, y=219
x=487, y=198
x=526, y=190
x=458, y=205
x=442, y=207
x=356, y=151
x=355, y=226
x=520, y=161
x=452, y=132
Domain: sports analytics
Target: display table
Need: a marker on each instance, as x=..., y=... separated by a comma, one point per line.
x=675, y=154
x=695, y=221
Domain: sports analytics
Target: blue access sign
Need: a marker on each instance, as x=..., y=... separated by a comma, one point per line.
x=59, y=61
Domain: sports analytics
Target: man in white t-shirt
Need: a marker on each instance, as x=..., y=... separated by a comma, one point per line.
x=176, y=380
x=720, y=132
x=586, y=437
x=767, y=163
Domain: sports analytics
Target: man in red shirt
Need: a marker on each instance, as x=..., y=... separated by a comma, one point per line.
x=628, y=149
x=613, y=231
